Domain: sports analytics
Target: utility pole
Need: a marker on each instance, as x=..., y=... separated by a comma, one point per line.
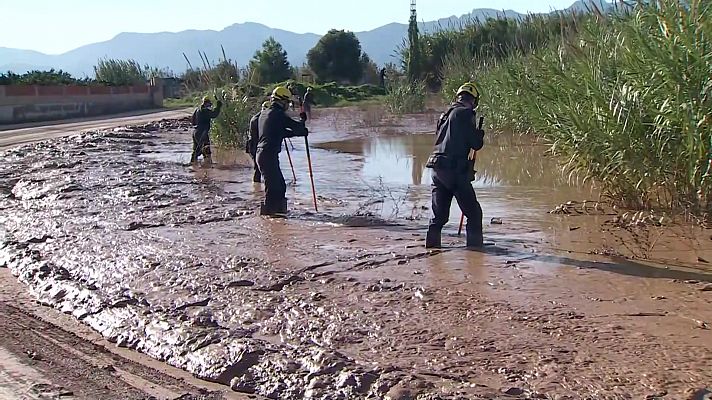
x=414, y=45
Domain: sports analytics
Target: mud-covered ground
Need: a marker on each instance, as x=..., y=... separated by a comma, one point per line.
x=345, y=303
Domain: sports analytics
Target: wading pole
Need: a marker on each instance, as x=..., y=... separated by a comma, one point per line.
x=462, y=221
x=311, y=173
x=473, y=157
x=289, y=156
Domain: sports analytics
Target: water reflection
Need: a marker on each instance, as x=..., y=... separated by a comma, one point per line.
x=507, y=160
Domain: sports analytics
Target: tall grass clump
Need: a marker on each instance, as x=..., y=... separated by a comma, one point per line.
x=405, y=97
x=232, y=85
x=483, y=51
x=629, y=104
x=490, y=40
x=116, y=72
x=231, y=127
x=626, y=100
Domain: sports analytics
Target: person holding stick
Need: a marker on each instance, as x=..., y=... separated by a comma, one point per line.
x=251, y=145
x=201, y=120
x=457, y=136
x=274, y=127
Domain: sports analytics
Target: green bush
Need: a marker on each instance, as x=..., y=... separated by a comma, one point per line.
x=329, y=94
x=51, y=77
x=404, y=97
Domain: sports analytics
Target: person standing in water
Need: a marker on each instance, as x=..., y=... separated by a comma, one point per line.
x=274, y=126
x=251, y=146
x=457, y=136
x=308, y=103
x=201, y=119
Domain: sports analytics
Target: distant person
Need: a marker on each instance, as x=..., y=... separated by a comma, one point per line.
x=201, y=119
x=308, y=103
x=457, y=135
x=274, y=126
x=383, y=77
x=251, y=146
x=296, y=99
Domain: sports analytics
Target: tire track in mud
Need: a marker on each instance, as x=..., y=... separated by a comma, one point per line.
x=87, y=370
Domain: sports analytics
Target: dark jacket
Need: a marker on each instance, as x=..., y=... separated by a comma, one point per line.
x=274, y=126
x=202, y=117
x=309, y=99
x=457, y=135
x=251, y=147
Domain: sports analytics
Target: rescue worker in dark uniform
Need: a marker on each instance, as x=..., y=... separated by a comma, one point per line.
x=308, y=103
x=296, y=98
x=251, y=146
x=274, y=126
x=202, y=118
x=452, y=171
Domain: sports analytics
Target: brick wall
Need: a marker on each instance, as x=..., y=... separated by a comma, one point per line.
x=41, y=103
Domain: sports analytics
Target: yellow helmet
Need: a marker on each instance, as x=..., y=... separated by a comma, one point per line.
x=469, y=88
x=206, y=99
x=265, y=105
x=281, y=93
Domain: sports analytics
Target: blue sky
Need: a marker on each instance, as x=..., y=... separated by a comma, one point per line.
x=54, y=26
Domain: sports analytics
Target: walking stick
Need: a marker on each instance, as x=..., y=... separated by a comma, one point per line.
x=474, y=159
x=462, y=221
x=311, y=173
x=289, y=156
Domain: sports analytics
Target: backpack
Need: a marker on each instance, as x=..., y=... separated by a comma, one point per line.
x=194, y=118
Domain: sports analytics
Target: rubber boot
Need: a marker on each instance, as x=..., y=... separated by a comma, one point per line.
x=279, y=211
x=475, y=240
x=283, y=208
x=433, y=239
x=264, y=210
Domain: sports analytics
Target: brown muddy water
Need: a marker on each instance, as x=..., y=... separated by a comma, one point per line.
x=172, y=261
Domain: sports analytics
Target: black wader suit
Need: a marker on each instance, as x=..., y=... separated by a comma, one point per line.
x=251, y=147
x=308, y=103
x=201, y=136
x=274, y=127
x=453, y=173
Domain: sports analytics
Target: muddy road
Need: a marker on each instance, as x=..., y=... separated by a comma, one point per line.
x=113, y=229
x=12, y=135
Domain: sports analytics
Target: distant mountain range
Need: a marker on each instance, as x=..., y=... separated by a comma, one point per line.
x=165, y=49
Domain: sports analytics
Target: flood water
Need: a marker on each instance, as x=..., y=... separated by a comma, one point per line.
x=515, y=177
x=386, y=176
x=171, y=259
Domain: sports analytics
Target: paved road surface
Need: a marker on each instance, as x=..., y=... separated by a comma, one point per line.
x=28, y=133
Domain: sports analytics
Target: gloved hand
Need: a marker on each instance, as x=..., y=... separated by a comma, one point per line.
x=303, y=116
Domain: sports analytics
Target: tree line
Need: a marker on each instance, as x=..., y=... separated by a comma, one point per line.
x=337, y=57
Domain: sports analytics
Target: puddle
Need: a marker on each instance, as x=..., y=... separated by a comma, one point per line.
x=516, y=179
x=507, y=160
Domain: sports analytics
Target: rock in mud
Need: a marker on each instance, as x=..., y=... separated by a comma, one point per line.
x=514, y=391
